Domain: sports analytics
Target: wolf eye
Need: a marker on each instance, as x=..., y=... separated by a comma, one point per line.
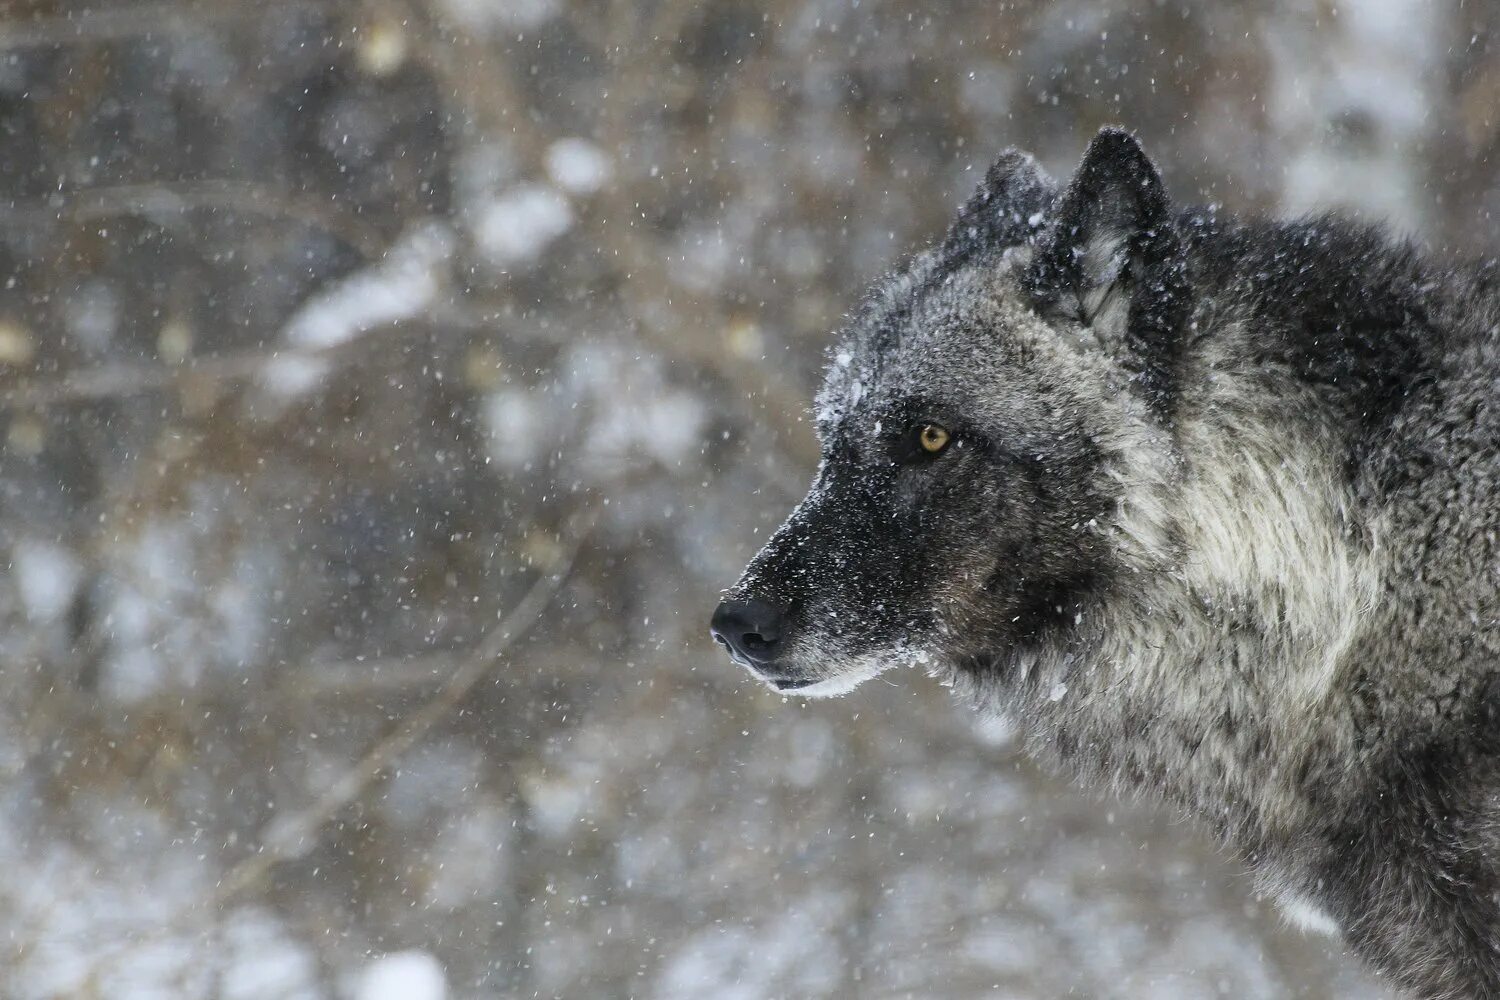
x=932, y=438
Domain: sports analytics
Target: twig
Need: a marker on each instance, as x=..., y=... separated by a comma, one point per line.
x=636, y=45
x=120, y=380
x=285, y=839
x=289, y=837
x=344, y=678
x=170, y=197
x=140, y=19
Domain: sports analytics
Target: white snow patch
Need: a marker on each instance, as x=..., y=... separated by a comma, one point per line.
x=491, y=16
x=788, y=957
x=290, y=375
x=92, y=314
x=107, y=922
x=703, y=258
x=560, y=800
x=166, y=621
x=663, y=424
x=517, y=226
x=47, y=577
x=404, y=975
x=578, y=165
x=398, y=287
x=470, y=858
x=670, y=427
x=402, y=285
x=1350, y=102
x=263, y=959
x=426, y=785
x=1010, y=947
x=515, y=428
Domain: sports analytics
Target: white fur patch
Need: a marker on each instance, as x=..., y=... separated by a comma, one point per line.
x=1306, y=915
x=1261, y=515
x=1265, y=521
x=839, y=684
x=838, y=675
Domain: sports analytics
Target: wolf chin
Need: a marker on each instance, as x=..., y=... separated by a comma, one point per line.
x=1209, y=507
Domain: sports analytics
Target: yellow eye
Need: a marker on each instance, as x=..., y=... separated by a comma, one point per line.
x=932, y=438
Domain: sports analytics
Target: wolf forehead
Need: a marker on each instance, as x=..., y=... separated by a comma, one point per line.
x=953, y=309
x=937, y=335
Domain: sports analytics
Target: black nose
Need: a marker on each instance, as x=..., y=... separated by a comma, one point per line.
x=750, y=629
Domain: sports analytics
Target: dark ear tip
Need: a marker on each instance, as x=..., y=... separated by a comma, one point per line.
x=1015, y=166
x=1006, y=208
x=1115, y=138
x=1115, y=155
x=1012, y=156
x=1011, y=159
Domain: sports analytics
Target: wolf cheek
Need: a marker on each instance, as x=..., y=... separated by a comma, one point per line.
x=951, y=554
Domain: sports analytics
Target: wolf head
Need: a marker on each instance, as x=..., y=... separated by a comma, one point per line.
x=983, y=417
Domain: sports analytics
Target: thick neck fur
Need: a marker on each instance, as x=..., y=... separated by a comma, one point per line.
x=1213, y=667
x=1296, y=638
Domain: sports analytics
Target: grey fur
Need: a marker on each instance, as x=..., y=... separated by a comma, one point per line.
x=1218, y=523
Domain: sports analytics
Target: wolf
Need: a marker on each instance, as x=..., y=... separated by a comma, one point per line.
x=1207, y=506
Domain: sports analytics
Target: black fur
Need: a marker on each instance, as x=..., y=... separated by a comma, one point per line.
x=1217, y=519
x=1339, y=306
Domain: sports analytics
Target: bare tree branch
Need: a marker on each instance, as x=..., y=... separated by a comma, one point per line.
x=291, y=836
x=121, y=380
x=244, y=197
x=102, y=25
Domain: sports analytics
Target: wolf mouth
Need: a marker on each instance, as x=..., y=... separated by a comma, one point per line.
x=789, y=683
x=781, y=682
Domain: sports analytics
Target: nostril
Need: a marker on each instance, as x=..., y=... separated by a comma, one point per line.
x=749, y=629
x=754, y=640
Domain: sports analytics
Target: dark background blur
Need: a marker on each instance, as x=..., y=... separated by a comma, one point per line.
x=388, y=388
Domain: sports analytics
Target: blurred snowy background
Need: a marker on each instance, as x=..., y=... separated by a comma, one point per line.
x=387, y=388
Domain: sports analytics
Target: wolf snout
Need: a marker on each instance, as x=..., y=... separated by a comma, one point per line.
x=750, y=629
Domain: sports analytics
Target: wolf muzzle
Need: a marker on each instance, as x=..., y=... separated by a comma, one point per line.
x=751, y=630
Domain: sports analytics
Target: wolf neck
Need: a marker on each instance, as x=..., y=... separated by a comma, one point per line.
x=1210, y=673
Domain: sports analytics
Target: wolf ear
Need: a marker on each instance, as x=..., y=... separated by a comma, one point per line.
x=1112, y=259
x=1009, y=207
